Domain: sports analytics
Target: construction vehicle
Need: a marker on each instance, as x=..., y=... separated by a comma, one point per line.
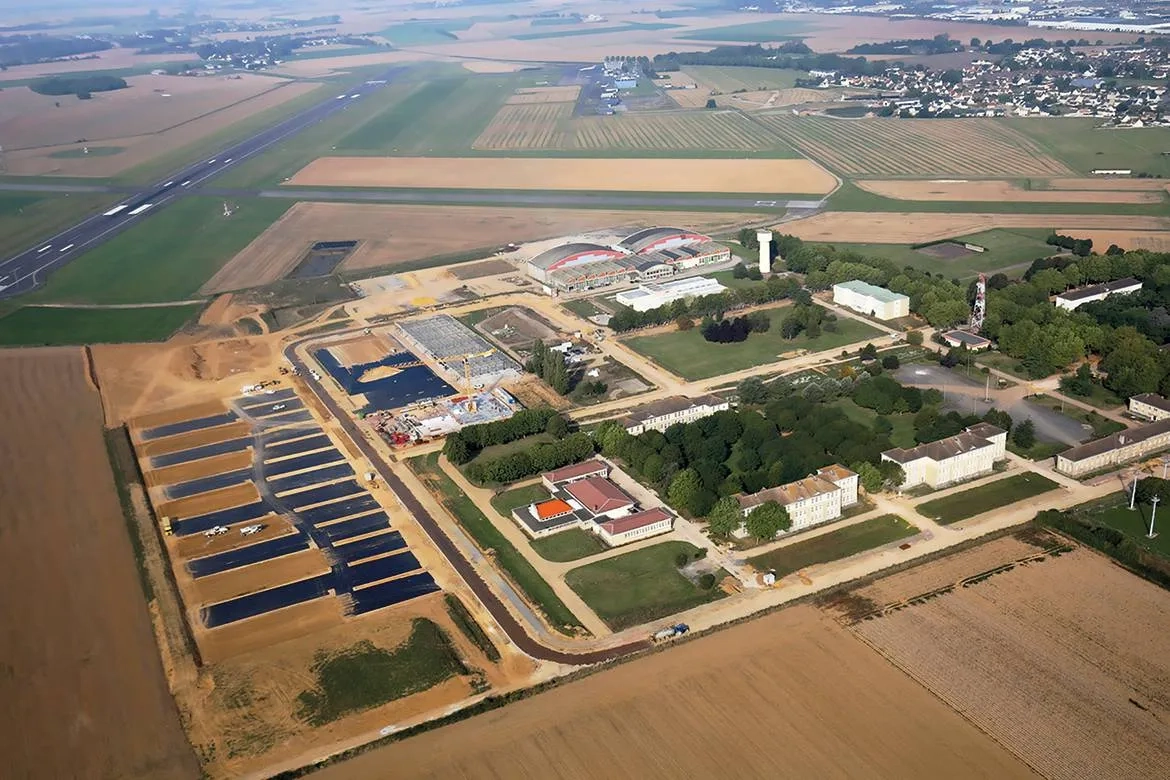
x=678, y=629
x=216, y=530
x=248, y=530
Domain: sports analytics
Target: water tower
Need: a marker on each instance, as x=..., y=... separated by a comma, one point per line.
x=765, y=239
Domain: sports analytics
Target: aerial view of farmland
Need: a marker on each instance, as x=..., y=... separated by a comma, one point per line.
x=423, y=389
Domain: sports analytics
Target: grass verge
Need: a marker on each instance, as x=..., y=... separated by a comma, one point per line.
x=491, y=540
x=639, y=586
x=365, y=676
x=122, y=465
x=976, y=501
x=834, y=545
x=470, y=627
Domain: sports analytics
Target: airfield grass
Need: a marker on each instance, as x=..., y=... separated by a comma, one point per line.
x=728, y=78
x=1081, y=144
x=1001, y=493
x=901, y=436
x=1006, y=249
x=52, y=326
x=27, y=218
x=849, y=197
x=1114, y=512
x=639, y=586
x=834, y=545
x=686, y=354
x=164, y=258
x=88, y=151
x=754, y=32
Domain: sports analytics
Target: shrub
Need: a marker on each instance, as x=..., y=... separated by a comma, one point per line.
x=681, y=560
x=707, y=581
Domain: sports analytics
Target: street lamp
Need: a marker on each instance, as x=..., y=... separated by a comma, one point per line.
x=1153, y=511
x=1133, y=492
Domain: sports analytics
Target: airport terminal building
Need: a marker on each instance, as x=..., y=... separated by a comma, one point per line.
x=649, y=255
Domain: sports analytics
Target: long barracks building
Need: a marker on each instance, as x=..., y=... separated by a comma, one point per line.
x=648, y=255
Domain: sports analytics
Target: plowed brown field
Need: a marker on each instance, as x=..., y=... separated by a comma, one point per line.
x=80, y=677
x=629, y=175
x=791, y=694
x=1058, y=660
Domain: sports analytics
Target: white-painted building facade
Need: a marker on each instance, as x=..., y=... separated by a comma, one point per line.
x=660, y=415
x=816, y=499
x=954, y=459
x=866, y=298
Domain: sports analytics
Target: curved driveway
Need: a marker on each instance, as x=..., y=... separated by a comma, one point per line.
x=510, y=625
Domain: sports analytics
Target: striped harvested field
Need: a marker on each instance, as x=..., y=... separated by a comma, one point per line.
x=527, y=126
x=544, y=95
x=909, y=147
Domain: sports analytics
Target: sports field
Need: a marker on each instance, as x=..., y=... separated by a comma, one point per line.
x=909, y=147
x=976, y=501
x=630, y=175
x=686, y=354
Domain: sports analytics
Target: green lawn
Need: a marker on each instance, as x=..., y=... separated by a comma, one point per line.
x=686, y=354
x=639, y=586
x=975, y=501
x=365, y=676
x=729, y=78
x=27, y=218
x=34, y=325
x=1100, y=397
x=570, y=545
x=835, y=545
x=901, y=436
x=1102, y=426
x=489, y=538
x=1083, y=146
x=167, y=257
x=753, y=32
x=1135, y=524
x=1005, y=249
x=1002, y=362
x=499, y=450
x=1041, y=450
x=515, y=498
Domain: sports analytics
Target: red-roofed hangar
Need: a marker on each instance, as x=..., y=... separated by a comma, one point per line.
x=650, y=254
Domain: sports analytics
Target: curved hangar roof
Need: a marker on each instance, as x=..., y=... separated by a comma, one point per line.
x=570, y=254
x=655, y=238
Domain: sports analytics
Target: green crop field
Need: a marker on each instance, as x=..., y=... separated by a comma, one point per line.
x=571, y=33
x=639, y=586
x=1084, y=147
x=27, y=218
x=1006, y=249
x=755, y=32
x=164, y=258
x=729, y=78
x=834, y=545
x=686, y=354
x=52, y=326
x=1001, y=493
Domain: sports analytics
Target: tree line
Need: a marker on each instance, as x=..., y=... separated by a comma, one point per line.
x=776, y=288
x=549, y=365
x=32, y=49
x=537, y=459
x=789, y=55
x=736, y=329
x=82, y=86
x=463, y=445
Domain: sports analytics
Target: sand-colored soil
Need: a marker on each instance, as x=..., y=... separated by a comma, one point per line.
x=715, y=707
x=121, y=127
x=479, y=66
x=631, y=175
x=105, y=60
x=364, y=349
x=178, y=414
x=1056, y=660
x=774, y=98
x=392, y=234
x=185, y=441
x=198, y=545
x=196, y=469
x=897, y=228
x=1155, y=241
x=544, y=95
x=270, y=628
x=1000, y=191
x=1108, y=183
x=236, y=495
x=83, y=689
x=269, y=574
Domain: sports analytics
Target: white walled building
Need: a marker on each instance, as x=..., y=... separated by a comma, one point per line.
x=955, y=459
x=1071, y=299
x=1115, y=449
x=870, y=299
x=811, y=501
x=660, y=415
x=653, y=295
x=1149, y=406
x=631, y=528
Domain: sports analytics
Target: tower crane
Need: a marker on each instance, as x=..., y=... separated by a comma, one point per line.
x=466, y=358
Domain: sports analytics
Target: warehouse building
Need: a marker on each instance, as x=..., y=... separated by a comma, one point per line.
x=660, y=415
x=954, y=459
x=819, y=498
x=646, y=256
x=582, y=496
x=1115, y=449
x=653, y=295
x=870, y=299
x=1071, y=299
x=1149, y=406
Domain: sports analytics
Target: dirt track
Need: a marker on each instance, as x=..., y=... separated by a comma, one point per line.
x=898, y=228
x=82, y=685
x=621, y=175
x=790, y=694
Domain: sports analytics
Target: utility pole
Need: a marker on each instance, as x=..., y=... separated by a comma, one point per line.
x=1133, y=493
x=1165, y=462
x=1153, y=512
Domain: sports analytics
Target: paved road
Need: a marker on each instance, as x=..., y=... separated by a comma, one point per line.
x=521, y=638
x=28, y=269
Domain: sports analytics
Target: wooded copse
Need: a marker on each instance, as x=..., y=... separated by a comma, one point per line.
x=463, y=445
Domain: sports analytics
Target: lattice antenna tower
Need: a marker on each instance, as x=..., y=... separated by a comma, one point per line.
x=979, y=310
